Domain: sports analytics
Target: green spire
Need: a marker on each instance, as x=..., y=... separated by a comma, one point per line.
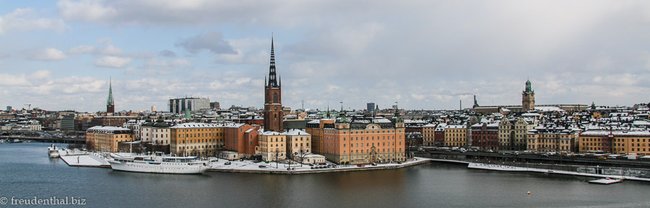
x=529, y=86
x=110, y=93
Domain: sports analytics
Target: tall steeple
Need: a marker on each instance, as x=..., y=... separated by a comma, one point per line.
x=273, y=114
x=273, y=82
x=110, y=104
x=528, y=97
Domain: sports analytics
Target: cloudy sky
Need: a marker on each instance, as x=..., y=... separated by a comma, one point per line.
x=424, y=54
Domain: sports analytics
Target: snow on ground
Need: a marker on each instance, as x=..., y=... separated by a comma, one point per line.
x=249, y=165
x=85, y=160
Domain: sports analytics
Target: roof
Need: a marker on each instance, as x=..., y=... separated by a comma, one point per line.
x=196, y=125
x=108, y=128
x=615, y=133
x=271, y=133
x=295, y=132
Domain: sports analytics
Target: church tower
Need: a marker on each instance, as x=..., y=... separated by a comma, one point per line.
x=273, y=114
x=528, y=98
x=110, y=105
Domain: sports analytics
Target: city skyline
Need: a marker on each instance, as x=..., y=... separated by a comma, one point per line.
x=425, y=55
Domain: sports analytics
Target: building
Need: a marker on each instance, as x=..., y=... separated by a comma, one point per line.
x=485, y=136
x=273, y=114
x=241, y=139
x=455, y=136
x=67, y=122
x=107, y=138
x=272, y=146
x=110, y=104
x=370, y=107
x=135, y=126
x=191, y=104
x=512, y=134
x=111, y=120
x=298, y=144
x=428, y=132
x=527, y=104
x=617, y=142
x=528, y=97
x=156, y=133
x=360, y=141
x=552, y=139
x=198, y=139
x=215, y=105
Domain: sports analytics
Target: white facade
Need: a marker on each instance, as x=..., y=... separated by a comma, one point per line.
x=155, y=135
x=135, y=126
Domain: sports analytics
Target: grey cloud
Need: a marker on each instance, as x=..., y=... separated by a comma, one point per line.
x=430, y=52
x=167, y=53
x=212, y=41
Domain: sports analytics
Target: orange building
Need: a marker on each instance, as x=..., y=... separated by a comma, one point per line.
x=241, y=138
x=358, y=142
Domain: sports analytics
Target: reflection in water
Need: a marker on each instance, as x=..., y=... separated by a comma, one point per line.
x=26, y=171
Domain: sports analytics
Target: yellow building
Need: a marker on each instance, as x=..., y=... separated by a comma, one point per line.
x=455, y=136
x=272, y=146
x=197, y=139
x=428, y=134
x=107, y=138
x=512, y=134
x=556, y=139
x=617, y=142
x=298, y=143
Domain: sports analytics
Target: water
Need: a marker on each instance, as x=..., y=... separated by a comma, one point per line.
x=27, y=172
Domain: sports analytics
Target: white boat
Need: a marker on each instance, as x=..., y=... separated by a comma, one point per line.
x=53, y=152
x=158, y=164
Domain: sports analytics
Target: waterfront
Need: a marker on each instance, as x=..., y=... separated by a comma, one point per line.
x=26, y=172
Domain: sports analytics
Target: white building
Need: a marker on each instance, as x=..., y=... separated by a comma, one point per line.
x=155, y=133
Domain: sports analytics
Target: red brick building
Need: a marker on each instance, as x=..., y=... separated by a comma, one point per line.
x=241, y=138
x=485, y=136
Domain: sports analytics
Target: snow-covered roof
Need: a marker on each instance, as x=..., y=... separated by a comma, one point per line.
x=271, y=133
x=108, y=128
x=196, y=125
x=548, y=108
x=295, y=132
x=615, y=133
x=429, y=125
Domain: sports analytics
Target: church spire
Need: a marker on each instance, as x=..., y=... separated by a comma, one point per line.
x=110, y=105
x=110, y=93
x=272, y=74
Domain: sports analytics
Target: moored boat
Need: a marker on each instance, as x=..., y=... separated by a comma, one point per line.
x=158, y=164
x=53, y=152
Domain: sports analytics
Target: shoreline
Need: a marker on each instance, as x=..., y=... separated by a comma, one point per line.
x=508, y=168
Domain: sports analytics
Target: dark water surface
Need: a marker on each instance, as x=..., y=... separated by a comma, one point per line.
x=27, y=172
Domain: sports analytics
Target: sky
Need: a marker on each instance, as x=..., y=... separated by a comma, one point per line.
x=428, y=54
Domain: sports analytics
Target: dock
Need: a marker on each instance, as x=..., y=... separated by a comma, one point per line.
x=94, y=160
x=606, y=181
x=270, y=168
x=507, y=168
